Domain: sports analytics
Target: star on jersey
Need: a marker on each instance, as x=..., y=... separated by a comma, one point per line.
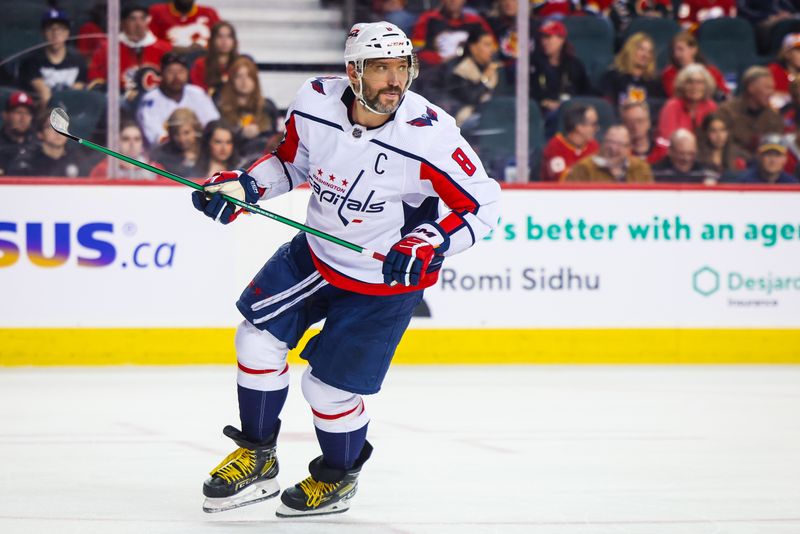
x=426, y=119
x=329, y=192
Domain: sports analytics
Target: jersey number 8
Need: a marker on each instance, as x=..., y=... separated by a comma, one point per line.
x=463, y=161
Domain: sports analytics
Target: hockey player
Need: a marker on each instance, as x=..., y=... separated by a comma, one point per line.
x=390, y=171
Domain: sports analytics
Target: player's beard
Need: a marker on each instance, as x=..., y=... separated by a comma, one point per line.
x=374, y=100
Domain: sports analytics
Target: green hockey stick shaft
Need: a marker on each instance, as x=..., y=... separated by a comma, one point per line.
x=60, y=123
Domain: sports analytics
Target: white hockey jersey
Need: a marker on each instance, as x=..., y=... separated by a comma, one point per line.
x=371, y=186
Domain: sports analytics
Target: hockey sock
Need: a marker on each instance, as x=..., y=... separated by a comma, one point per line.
x=259, y=411
x=340, y=450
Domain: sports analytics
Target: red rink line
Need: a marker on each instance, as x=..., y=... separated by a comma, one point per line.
x=162, y=182
x=386, y=524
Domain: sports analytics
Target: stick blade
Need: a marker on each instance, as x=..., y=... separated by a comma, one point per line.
x=59, y=120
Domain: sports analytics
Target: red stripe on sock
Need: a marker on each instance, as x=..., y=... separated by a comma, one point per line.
x=338, y=415
x=259, y=371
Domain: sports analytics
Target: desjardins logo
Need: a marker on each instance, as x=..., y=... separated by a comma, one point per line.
x=705, y=281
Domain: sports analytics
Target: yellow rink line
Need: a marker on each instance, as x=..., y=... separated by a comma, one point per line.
x=176, y=346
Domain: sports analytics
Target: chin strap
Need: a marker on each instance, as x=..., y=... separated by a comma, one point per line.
x=363, y=102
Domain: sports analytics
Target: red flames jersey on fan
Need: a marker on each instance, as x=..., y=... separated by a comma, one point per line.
x=559, y=156
x=183, y=30
x=549, y=8
x=692, y=13
x=372, y=186
x=131, y=60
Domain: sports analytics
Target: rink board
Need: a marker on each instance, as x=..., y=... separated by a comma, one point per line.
x=97, y=274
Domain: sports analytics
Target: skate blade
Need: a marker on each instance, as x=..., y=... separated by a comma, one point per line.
x=260, y=491
x=336, y=508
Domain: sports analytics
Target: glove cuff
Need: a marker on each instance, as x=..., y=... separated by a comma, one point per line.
x=432, y=233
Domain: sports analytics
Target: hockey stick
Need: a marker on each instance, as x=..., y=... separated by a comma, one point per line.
x=59, y=120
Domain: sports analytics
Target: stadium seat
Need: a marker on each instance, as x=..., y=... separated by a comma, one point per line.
x=605, y=112
x=593, y=40
x=660, y=30
x=85, y=109
x=779, y=31
x=729, y=43
x=495, y=134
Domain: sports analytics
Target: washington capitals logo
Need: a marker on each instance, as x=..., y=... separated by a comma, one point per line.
x=316, y=83
x=426, y=119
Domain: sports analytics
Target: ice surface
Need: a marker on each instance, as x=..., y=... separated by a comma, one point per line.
x=565, y=450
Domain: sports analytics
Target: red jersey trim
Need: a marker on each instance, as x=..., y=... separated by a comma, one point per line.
x=454, y=196
x=287, y=150
x=342, y=281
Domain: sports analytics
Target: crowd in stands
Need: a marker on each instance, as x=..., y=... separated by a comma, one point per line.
x=190, y=102
x=694, y=91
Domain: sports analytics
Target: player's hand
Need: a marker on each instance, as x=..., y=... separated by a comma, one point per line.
x=408, y=260
x=236, y=184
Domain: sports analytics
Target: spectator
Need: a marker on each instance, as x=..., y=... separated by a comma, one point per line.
x=395, y=12
x=55, y=67
x=140, y=54
x=503, y=21
x=691, y=103
x=210, y=71
x=89, y=34
x=786, y=69
x=791, y=111
x=715, y=148
x=681, y=165
x=243, y=106
x=692, y=13
x=217, y=149
x=438, y=35
x=614, y=163
x=635, y=116
x=17, y=136
x=633, y=74
x=622, y=12
x=172, y=93
x=562, y=152
x=469, y=80
x=543, y=9
x=770, y=161
x=556, y=72
x=683, y=51
x=749, y=114
x=185, y=25
x=131, y=144
x=180, y=152
x=52, y=156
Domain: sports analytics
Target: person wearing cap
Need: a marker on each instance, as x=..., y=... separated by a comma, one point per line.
x=16, y=138
x=556, y=73
x=56, y=66
x=174, y=91
x=786, y=69
x=770, y=162
x=140, y=55
x=184, y=24
x=53, y=156
x=750, y=115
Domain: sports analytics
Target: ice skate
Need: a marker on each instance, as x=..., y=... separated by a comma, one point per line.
x=327, y=491
x=246, y=476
